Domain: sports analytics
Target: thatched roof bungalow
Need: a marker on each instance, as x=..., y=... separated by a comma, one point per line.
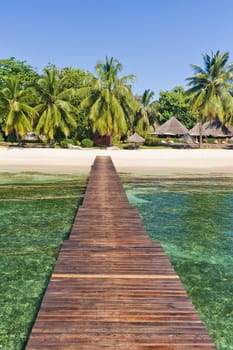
x=135, y=138
x=195, y=131
x=172, y=127
x=216, y=129
x=231, y=130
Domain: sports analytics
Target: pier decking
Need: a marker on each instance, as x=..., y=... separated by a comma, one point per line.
x=112, y=288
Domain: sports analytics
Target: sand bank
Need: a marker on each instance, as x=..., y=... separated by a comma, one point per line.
x=141, y=161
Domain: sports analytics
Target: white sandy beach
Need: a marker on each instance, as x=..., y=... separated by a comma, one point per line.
x=143, y=161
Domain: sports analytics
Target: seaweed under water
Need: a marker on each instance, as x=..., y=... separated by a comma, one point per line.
x=192, y=218
x=36, y=215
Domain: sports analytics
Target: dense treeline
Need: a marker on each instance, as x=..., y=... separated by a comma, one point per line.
x=72, y=104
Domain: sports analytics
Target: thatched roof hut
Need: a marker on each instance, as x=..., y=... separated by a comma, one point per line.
x=135, y=138
x=195, y=131
x=215, y=128
x=231, y=130
x=187, y=139
x=172, y=127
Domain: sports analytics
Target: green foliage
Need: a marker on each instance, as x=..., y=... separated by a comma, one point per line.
x=84, y=129
x=56, y=112
x=117, y=140
x=152, y=141
x=211, y=88
x=25, y=73
x=64, y=143
x=175, y=103
x=142, y=118
x=18, y=113
x=1, y=137
x=11, y=138
x=87, y=143
x=75, y=78
x=74, y=103
x=108, y=100
x=2, y=119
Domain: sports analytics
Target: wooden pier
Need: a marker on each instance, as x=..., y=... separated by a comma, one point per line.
x=112, y=288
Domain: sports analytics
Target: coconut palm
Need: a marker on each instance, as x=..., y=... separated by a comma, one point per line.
x=109, y=100
x=15, y=107
x=209, y=92
x=56, y=112
x=142, y=119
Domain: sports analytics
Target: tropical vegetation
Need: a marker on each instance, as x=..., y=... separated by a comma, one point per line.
x=109, y=99
x=68, y=105
x=176, y=103
x=54, y=107
x=15, y=107
x=211, y=88
x=145, y=110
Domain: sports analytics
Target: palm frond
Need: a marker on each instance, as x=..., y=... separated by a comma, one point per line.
x=210, y=86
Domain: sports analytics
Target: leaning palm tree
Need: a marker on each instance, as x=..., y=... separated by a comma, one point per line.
x=142, y=119
x=15, y=107
x=210, y=88
x=56, y=112
x=109, y=99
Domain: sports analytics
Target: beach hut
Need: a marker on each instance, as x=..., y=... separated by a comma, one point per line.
x=216, y=129
x=136, y=139
x=172, y=127
x=197, y=130
x=187, y=139
x=231, y=130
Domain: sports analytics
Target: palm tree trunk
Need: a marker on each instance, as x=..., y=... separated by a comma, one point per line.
x=18, y=137
x=200, y=126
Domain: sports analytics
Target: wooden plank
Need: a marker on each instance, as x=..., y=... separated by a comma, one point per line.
x=112, y=288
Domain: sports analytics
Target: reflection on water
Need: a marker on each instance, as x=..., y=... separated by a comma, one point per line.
x=193, y=219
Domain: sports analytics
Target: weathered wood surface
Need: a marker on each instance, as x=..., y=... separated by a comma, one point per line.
x=112, y=288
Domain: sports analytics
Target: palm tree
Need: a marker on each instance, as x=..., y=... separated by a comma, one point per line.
x=56, y=112
x=210, y=88
x=142, y=119
x=109, y=100
x=16, y=108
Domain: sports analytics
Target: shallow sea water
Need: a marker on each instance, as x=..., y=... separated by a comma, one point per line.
x=192, y=216
x=36, y=215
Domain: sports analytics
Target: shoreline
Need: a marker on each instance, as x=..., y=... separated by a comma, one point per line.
x=149, y=161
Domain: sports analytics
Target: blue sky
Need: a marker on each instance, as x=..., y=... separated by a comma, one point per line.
x=156, y=40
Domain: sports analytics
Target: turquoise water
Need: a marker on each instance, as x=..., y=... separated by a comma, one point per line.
x=36, y=215
x=191, y=216
x=193, y=219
